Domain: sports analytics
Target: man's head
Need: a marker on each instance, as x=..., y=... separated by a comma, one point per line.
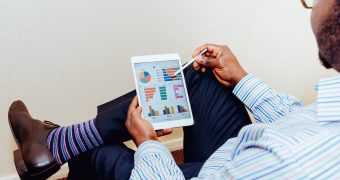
x=326, y=27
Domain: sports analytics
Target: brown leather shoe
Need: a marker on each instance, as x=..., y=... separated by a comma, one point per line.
x=33, y=160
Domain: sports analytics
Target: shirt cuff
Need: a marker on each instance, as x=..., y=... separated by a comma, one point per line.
x=151, y=147
x=250, y=89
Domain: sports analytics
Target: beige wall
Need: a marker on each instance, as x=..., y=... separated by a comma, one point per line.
x=65, y=57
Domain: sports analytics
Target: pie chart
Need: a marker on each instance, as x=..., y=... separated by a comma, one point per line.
x=144, y=77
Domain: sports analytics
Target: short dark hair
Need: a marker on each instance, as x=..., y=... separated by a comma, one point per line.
x=328, y=38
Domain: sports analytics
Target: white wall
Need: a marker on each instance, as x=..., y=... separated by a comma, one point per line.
x=65, y=57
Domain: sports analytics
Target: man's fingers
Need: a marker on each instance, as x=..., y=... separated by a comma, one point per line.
x=163, y=132
x=226, y=83
x=133, y=104
x=219, y=54
x=160, y=133
x=139, y=110
x=207, y=61
x=212, y=50
x=137, y=113
x=167, y=131
x=215, y=53
x=199, y=50
x=196, y=66
x=203, y=69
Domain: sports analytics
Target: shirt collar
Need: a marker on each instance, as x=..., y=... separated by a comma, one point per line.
x=328, y=101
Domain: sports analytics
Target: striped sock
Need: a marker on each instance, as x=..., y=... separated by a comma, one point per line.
x=70, y=141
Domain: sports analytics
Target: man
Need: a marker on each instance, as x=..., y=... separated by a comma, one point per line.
x=289, y=140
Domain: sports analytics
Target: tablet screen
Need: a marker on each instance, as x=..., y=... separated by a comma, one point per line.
x=162, y=95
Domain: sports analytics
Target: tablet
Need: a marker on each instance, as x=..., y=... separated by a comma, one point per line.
x=162, y=96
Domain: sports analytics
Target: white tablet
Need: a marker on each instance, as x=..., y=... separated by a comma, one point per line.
x=162, y=96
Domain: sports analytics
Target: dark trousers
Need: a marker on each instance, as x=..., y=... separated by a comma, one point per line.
x=218, y=116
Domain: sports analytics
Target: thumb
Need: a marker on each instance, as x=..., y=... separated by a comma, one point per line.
x=224, y=82
x=136, y=114
x=139, y=110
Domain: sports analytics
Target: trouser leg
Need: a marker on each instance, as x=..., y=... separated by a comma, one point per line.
x=80, y=167
x=218, y=115
x=114, y=162
x=106, y=162
x=110, y=119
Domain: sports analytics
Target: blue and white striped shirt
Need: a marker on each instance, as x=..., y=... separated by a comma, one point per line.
x=288, y=141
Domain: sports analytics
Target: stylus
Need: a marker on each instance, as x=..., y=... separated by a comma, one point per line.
x=191, y=61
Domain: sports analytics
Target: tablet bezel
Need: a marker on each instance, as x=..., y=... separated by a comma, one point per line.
x=157, y=58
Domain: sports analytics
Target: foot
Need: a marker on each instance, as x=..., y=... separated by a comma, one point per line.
x=33, y=160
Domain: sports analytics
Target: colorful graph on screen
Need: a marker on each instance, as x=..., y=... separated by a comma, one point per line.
x=162, y=92
x=167, y=110
x=168, y=74
x=181, y=109
x=144, y=77
x=162, y=95
x=149, y=93
x=152, y=112
x=179, y=91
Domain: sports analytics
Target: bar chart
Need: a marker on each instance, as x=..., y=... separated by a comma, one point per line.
x=179, y=91
x=152, y=112
x=181, y=109
x=167, y=110
x=168, y=74
x=149, y=93
x=162, y=92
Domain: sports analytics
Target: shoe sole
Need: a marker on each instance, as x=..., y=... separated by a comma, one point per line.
x=20, y=165
x=24, y=173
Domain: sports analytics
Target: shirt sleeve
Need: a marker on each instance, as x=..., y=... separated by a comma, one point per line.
x=153, y=160
x=258, y=163
x=266, y=104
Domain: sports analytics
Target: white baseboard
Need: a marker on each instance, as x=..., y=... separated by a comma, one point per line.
x=173, y=145
x=11, y=177
x=63, y=172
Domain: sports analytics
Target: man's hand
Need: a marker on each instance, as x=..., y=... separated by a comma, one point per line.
x=222, y=61
x=140, y=129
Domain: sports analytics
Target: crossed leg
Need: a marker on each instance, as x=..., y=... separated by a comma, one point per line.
x=218, y=116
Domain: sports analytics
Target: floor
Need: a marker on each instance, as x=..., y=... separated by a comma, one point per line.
x=178, y=156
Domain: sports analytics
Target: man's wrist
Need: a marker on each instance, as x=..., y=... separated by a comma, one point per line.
x=239, y=76
x=140, y=141
x=250, y=89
